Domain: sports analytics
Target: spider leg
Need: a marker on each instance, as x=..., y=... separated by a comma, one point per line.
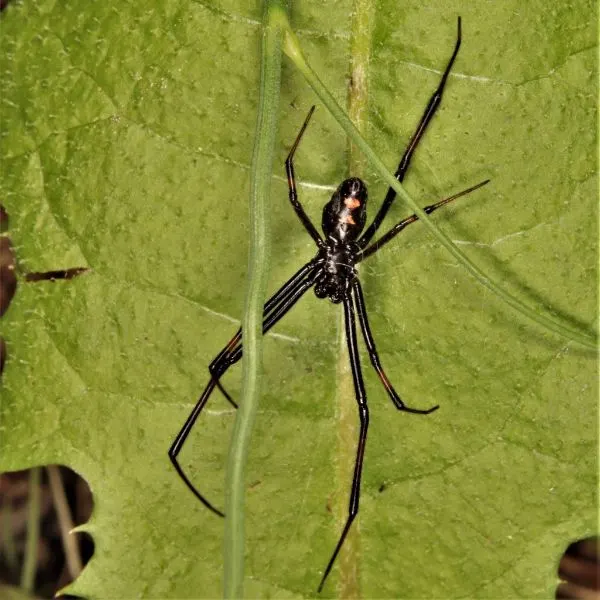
x=180, y=440
x=430, y=110
x=279, y=304
x=275, y=308
x=277, y=313
x=289, y=169
x=394, y=231
x=278, y=297
x=363, y=413
x=364, y=324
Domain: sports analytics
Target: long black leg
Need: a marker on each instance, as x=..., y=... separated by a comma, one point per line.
x=276, y=314
x=364, y=325
x=269, y=305
x=180, y=440
x=394, y=231
x=289, y=169
x=430, y=110
x=363, y=413
x=284, y=304
x=271, y=312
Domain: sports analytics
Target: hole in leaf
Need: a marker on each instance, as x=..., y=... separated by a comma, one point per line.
x=54, y=275
x=63, y=500
x=2, y=354
x=8, y=276
x=8, y=279
x=579, y=570
x=3, y=219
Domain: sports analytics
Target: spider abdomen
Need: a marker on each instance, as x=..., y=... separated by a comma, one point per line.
x=345, y=215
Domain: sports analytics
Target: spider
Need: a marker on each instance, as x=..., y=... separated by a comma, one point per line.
x=333, y=275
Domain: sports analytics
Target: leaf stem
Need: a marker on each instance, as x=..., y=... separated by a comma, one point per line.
x=260, y=243
x=294, y=52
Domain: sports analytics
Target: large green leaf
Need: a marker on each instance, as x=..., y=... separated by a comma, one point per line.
x=127, y=135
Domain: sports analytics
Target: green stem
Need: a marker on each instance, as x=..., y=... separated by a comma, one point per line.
x=274, y=21
x=65, y=521
x=292, y=49
x=33, y=531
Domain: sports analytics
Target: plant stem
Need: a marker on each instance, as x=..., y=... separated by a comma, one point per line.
x=33, y=531
x=274, y=21
x=294, y=52
x=65, y=522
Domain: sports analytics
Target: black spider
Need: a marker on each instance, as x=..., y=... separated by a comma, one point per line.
x=333, y=274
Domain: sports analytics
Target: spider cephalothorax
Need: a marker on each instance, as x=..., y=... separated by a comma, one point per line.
x=337, y=270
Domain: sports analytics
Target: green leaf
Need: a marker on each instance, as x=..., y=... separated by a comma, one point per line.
x=127, y=137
